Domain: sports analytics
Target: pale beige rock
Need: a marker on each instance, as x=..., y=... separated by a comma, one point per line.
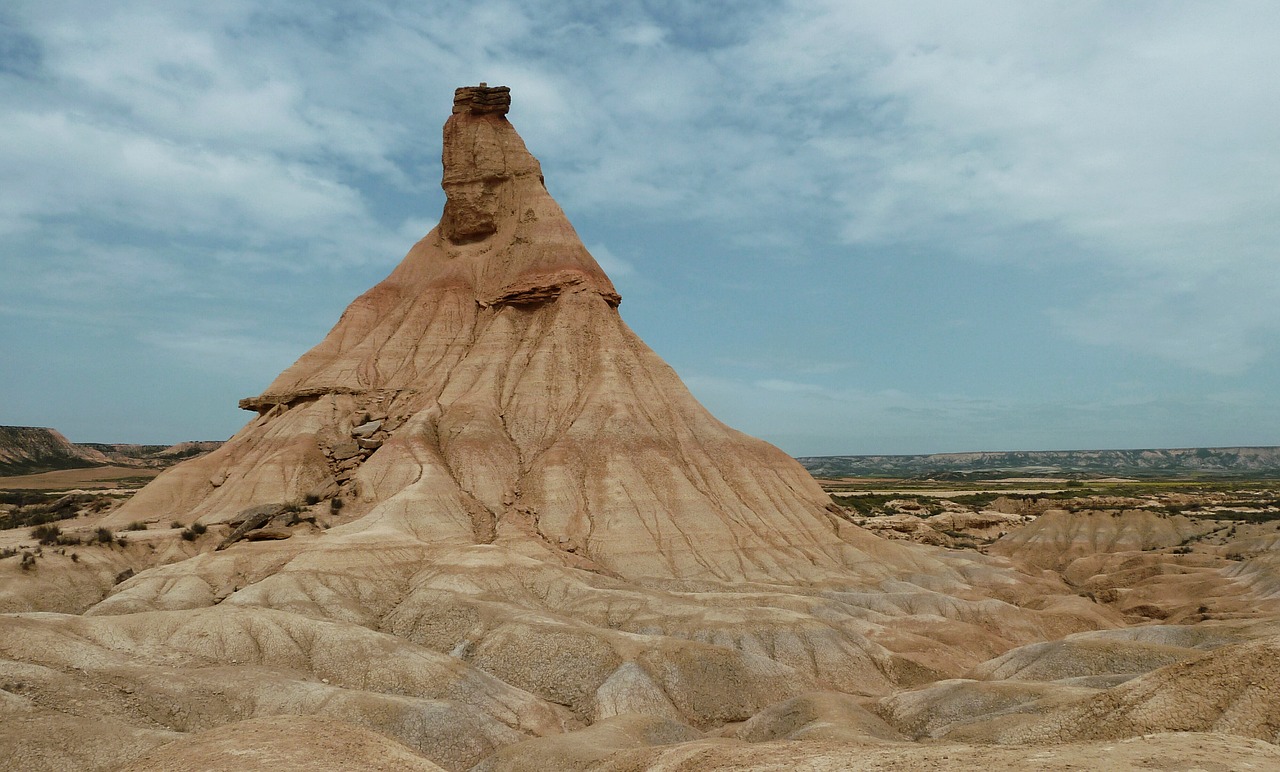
x=817, y=716
x=287, y=742
x=939, y=709
x=1168, y=752
x=1057, y=537
x=525, y=525
x=586, y=748
x=1231, y=690
x=498, y=342
x=1077, y=657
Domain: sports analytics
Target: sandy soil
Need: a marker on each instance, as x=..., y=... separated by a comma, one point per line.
x=67, y=479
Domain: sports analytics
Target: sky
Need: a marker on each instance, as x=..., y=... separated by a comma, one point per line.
x=851, y=227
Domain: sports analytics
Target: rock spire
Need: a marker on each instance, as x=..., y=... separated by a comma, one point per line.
x=487, y=391
x=482, y=514
x=482, y=99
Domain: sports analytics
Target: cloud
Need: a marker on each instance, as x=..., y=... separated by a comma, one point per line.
x=794, y=387
x=1138, y=147
x=806, y=418
x=214, y=348
x=251, y=158
x=613, y=265
x=643, y=35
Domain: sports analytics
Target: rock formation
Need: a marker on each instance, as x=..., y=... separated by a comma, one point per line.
x=481, y=524
x=29, y=449
x=488, y=391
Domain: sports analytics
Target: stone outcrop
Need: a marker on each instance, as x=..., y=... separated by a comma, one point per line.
x=31, y=449
x=488, y=391
x=514, y=538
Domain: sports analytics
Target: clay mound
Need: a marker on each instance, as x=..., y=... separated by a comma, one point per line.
x=1230, y=690
x=1202, y=636
x=1170, y=752
x=193, y=670
x=37, y=739
x=941, y=708
x=1016, y=688
x=1260, y=571
x=586, y=748
x=283, y=742
x=1080, y=657
x=66, y=584
x=617, y=647
x=1058, y=537
x=31, y=449
x=817, y=716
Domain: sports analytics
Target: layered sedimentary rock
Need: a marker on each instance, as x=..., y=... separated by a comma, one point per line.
x=489, y=391
x=484, y=521
x=28, y=449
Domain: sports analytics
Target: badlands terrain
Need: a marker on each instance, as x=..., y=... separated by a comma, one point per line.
x=482, y=526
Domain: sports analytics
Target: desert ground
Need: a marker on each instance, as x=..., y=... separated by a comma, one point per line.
x=482, y=526
x=120, y=478
x=1153, y=645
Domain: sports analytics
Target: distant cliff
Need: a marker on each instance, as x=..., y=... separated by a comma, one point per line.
x=1215, y=462
x=34, y=449
x=30, y=449
x=154, y=456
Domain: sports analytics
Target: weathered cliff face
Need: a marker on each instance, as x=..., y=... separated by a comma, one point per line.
x=1171, y=462
x=27, y=449
x=540, y=530
x=488, y=390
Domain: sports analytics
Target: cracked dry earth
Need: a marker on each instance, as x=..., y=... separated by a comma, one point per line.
x=482, y=525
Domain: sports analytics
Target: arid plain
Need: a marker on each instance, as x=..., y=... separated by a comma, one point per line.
x=482, y=526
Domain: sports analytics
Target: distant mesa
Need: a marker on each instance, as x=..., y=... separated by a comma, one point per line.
x=1153, y=463
x=35, y=449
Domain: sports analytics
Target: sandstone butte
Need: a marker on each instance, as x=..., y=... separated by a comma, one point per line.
x=482, y=525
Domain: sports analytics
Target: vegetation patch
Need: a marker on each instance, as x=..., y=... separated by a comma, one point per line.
x=1243, y=516
x=875, y=504
x=37, y=508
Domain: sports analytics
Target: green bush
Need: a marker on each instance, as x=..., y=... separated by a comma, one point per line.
x=136, y=525
x=199, y=528
x=105, y=536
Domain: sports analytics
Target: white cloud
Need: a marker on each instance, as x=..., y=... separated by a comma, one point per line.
x=1136, y=148
x=813, y=419
x=613, y=265
x=793, y=387
x=643, y=35
x=1142, y=147
x=217, y=348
